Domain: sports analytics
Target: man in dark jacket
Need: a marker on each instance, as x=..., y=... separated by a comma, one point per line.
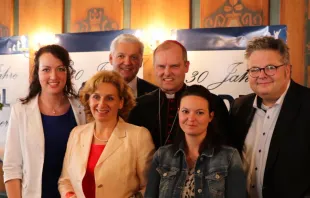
x=126, y=57
x=157, y=111
x=271, y=127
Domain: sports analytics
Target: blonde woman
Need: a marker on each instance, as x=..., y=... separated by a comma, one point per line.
x=106, y=157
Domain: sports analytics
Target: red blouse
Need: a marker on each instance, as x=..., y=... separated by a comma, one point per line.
x=89, y=185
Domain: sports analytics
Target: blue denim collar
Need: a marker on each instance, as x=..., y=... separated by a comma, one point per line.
x=208, y=152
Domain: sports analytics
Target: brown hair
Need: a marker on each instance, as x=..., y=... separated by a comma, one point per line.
x=124, y=92
x=60, y=53
x=268, y=43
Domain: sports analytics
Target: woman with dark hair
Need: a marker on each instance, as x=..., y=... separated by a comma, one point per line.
x=197, y=164
x=39, y=127
x=107, y=157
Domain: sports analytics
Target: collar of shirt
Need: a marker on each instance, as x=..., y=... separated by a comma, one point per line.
x=258, y=102
x=133, y=85
x=176, y=95
x=208, y=151
x=170, y=96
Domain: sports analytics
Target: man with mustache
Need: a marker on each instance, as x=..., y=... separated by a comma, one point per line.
x=157, y=111
x=126, y=57
x=271, y=127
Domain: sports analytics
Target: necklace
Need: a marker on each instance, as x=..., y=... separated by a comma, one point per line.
x=105, y=141
x=53, y=109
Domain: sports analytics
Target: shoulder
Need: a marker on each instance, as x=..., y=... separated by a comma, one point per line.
x=243, y=100
x=302, y=91
x=75, y=102
x=148, y=98
x=134, y=130
x=80, y=129
x=132, y=127
x=146, y=83
x=29, y=106
x=165, y=152
x=226, y=154
x=227, y=150
x=19, y=105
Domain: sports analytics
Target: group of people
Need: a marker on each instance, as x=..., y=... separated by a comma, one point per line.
x=122, y=136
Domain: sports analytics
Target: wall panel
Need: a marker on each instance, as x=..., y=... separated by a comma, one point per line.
x=234, y=13
x=162, y=15
x=96, y=15
x=6, y=18
x=40, y=16
x=293, y=14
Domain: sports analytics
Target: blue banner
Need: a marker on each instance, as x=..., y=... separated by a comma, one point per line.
x=14, y=45
x=89, y=41
x=201, y=39
x=234, y=38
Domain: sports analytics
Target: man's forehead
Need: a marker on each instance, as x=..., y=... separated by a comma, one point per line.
x=165, y=58
x=127, y=47
x=263, y=59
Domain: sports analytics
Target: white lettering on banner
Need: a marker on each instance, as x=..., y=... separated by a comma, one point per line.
x=5, y=73
x=230, y=77
x=102, y=66
x=223, y=72
x=14, y=83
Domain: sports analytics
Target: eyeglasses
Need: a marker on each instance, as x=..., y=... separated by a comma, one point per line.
x=269, y=70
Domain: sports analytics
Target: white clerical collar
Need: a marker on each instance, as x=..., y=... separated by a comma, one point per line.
x=170, y=96
x=133, y=85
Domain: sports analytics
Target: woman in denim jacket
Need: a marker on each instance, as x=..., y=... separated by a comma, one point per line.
x=197, y=164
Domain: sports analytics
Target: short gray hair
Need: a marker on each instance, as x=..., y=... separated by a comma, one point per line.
x=126, y=38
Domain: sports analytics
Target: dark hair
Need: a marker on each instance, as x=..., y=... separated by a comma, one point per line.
x=213, y=138
x=59, y=53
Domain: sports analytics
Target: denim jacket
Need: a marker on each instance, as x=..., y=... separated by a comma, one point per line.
x=217, y=174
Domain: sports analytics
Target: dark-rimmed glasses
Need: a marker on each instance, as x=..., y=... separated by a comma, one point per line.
x=269, y=70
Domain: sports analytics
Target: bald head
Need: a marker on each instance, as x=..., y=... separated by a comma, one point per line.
x=168, y=44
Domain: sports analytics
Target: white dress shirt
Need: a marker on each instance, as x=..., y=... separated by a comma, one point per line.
x=133, y=85
x=257, y=142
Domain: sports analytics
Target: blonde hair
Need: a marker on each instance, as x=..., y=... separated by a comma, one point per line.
x=268, y=43
x=124, y=92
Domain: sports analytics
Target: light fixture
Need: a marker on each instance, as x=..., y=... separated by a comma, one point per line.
x=152, y=37
x=44, y=38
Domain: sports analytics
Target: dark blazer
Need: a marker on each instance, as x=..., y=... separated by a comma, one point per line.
x=144, y=87
x=287, y=171
x=146, y=114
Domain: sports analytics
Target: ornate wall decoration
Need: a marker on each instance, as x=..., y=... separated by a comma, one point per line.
x=233, y=13
x=4, y=31
x=96, y=21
